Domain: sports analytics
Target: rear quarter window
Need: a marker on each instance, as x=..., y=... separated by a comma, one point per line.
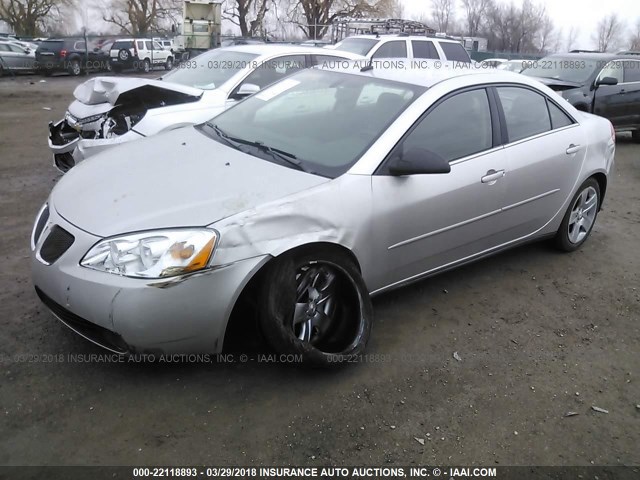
x=455, y=52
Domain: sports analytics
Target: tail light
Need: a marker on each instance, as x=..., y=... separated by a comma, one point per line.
x=63, y=53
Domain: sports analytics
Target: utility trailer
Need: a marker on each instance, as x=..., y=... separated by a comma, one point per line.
x=201, y=28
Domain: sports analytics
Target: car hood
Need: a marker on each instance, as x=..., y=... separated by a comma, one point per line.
x=181, y=178
x=558, y=85
x=109, y=89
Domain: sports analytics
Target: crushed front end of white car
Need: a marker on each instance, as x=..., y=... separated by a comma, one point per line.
x=108, y=111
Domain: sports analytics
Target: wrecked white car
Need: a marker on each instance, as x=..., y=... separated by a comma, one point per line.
x=111, y=110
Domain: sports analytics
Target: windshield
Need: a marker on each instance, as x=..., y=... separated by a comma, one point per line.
x=321, y=121
x=559, y=68
x=361, y=46
x=211, y=69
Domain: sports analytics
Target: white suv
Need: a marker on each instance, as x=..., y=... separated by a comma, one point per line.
x=140, y=54
x=405, y=46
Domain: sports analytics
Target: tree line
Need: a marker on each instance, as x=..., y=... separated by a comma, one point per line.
x=525, y=27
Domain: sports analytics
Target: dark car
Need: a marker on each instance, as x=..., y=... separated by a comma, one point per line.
x=71, y=55
x=601, y=83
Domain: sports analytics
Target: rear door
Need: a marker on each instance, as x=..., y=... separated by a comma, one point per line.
x=424, y=222
x=545, y=149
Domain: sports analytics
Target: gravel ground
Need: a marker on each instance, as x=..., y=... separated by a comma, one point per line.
x=539, y=334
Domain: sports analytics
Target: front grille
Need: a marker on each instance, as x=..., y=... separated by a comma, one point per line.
x=97, y=334
x=58, y=242
x=40, y=223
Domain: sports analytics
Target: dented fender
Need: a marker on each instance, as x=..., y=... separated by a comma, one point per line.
x=333, y=212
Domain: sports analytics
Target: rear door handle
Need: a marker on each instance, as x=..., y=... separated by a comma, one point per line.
x=492, y=176
x=573, y=149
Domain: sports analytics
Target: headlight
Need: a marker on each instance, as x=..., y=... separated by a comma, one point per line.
x=155, y=254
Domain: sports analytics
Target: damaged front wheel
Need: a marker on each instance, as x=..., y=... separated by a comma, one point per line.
x=315, y=305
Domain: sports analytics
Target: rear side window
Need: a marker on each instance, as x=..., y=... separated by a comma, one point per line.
x=559, y=119
x=4, y=47
x=122, y=44
x=631, y=71
x=395, y=49
x=423, y=49
x=458, y=127
x=455, y=52
x=525, y=112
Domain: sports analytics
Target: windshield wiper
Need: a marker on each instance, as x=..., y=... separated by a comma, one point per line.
x=281, y=155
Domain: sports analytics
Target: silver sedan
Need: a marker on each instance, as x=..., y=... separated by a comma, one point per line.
x=307, y=198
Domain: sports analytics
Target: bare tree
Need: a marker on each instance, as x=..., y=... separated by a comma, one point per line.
x=608, y=32
x=572, y=35
x=516, y=29
x=634, y=40
x=27, y=17
x=248, y=15
x=139, y=17
x=314, y=17
x=548, y=35
x=442, y=14
x=475, y=14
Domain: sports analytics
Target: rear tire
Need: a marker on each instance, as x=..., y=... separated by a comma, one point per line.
x=316, y=305
x=146, y=66
x=75, y=68
x=169, y=64
x=580, y=217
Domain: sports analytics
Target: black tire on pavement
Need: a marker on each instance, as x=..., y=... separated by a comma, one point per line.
x=314, y=304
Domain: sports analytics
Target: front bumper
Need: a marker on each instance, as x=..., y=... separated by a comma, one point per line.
x=169, y=316
x=69, y=148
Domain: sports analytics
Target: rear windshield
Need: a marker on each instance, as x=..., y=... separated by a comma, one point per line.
x=51, y=44
x=122, y=44
x=360, y=46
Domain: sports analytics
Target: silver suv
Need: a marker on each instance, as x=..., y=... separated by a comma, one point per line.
x=405, y=46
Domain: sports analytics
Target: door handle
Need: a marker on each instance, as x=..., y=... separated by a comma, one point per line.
x=492, y=176
x=573, y=149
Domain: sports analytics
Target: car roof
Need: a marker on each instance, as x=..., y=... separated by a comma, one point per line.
x=264, y=49
x=395, y=36
x=427, y=74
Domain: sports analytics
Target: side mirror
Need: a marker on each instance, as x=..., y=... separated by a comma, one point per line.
x=246, y=89
x=419, y=161
x=607, y=81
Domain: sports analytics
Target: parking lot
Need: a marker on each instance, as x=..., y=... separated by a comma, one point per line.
x=539, y=334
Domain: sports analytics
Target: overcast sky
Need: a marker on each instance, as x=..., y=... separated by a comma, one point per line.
x=582, y=14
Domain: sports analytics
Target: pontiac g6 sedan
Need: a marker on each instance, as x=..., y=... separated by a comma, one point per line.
x=306, y=199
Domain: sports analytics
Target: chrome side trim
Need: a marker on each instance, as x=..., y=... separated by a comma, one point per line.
x=442, y=230
x=471, y=220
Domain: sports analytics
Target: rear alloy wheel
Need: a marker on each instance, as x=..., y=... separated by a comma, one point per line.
x=315, y=305
x=169, y=64
x=74, y=68
x=580, y=217
x=146, y=66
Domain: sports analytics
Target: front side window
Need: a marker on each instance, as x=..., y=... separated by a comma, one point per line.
x=395, y=49
x=612, y=70
x=423, y=49
x=455, y=52
x=275, y=69
x=631, y=71
x=324, y=120
x=458, y=127
x=525, y=112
